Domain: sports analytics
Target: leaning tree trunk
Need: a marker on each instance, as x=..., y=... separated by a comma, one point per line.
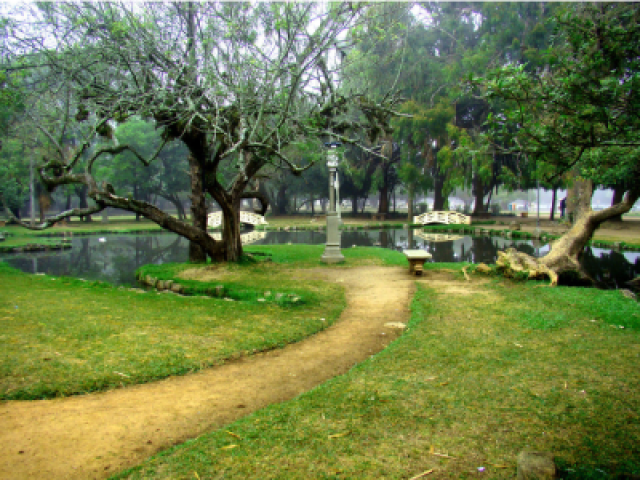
x=565, y=253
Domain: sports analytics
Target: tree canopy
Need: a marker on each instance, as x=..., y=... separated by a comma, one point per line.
x=237, y=83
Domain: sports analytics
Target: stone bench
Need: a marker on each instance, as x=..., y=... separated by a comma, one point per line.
x=416, y=260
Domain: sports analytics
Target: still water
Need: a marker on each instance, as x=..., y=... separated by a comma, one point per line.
x=115, y=258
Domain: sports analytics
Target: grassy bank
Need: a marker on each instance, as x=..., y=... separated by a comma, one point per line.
x=484, y=371
x=63, y=336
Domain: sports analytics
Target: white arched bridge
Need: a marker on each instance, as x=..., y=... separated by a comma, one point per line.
x=214, y=220
x=448, y=218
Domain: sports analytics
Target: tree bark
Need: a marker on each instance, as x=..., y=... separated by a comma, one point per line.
x=618, y=194
x=478, y=194
x=231, y=231
x=383, y=204
x=82, y=195
x=410, y=199
x=553, y=203
x=280, y=205
x=135, y=195
x=198, y=209
x=354, y=205
x=438, y=197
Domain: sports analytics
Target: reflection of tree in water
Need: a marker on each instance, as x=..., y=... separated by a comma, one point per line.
x=80, y=260
x=442, y=251
x=282, y=238
x=356, y=237
x=132, y=253
x=611, y=269
x=386, y=240
x=484, y=249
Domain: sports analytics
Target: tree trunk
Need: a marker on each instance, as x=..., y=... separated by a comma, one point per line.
x=566, y=252
x=82, y=195
x=394, y=200
x=280, y=206
x=618, y=195
x=410, y=199
x=198, y=209
x=179, y=208
x=174, y=199
x=44, y=202
x=553, y=203
x=438, y=197
x=383, y=203
x=231, y=231
x=135, y=195
x=579, y=198
x=478, y=195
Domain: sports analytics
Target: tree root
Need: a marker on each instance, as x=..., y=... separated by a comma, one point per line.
x=466, y=275
x=512, y=263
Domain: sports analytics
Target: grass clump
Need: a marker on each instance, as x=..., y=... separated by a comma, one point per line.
x=471, y=383
x=63, y=336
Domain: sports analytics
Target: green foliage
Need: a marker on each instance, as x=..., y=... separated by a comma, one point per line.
x=581, y=112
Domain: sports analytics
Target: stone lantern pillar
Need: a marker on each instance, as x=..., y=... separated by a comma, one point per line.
x=332, y=253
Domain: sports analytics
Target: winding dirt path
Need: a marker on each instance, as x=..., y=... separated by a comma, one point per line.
x=96, y=435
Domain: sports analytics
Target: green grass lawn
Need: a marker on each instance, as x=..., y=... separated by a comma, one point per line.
x=62, y=336
x=474, y=380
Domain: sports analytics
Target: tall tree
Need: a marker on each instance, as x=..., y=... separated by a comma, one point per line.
x=579, y=116
x=237, y=83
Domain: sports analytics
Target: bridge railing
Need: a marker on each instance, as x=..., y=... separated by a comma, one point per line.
x=447, y=218
x=214, y=220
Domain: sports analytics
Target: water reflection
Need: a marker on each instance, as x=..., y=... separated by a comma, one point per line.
x=109, y=258
x=114, y=258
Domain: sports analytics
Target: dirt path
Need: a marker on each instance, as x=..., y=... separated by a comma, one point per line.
x=96, y=435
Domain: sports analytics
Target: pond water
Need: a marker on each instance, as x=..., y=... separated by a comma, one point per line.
x=115, y=258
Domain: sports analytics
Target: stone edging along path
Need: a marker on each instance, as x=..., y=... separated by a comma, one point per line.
x=97, y=435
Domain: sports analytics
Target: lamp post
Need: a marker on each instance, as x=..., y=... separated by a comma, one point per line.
x=332, y=253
